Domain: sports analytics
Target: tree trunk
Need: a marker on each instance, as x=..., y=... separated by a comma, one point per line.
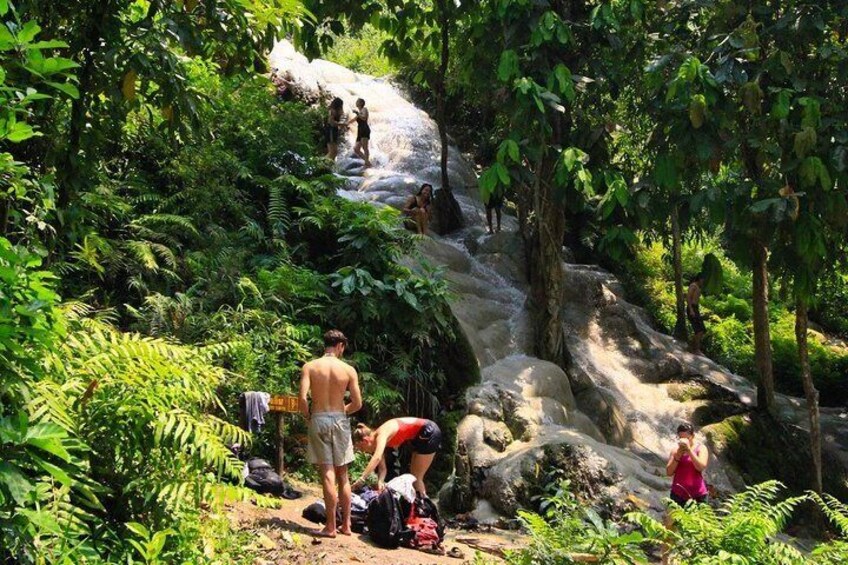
x=69, y=166
x=762, y=334
x=546, y=273
x=4, y=216
x=447, y=215
x=680, y=330
x=810, y=392
x=441, y=92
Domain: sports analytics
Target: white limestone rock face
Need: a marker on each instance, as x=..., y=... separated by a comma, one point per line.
x=609, y=420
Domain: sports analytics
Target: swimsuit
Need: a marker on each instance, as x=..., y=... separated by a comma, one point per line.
x=495, y=200
x=695, y=319
x=329, y=441
x=331, y=131
x=363, y=130
x=424, y=436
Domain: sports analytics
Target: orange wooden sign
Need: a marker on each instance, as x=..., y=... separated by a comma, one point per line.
x=283, y=403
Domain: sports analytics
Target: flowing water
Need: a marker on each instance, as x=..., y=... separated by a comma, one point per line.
x=621, y=399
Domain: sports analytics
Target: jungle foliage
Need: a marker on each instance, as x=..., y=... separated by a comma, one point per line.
x=156, y=184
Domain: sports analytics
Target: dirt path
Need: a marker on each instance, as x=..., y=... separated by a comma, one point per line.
x=281, y=536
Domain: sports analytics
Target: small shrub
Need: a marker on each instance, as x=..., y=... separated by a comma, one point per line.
x=565, y=527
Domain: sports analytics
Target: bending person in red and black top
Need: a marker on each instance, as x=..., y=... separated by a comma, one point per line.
x=424, y=436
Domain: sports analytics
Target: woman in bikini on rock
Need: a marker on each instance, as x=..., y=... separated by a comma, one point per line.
x=333, y=127
x=417, y=207
x=363, y=132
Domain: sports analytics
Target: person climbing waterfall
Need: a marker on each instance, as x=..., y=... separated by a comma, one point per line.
x=417, y=207
x=363, y=132
x=333, y=127
x=686, y=466
x=424, y=436
x=693, y=312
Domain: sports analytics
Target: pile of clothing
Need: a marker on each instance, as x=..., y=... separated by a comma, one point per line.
x=394, y=517
x=317, y=511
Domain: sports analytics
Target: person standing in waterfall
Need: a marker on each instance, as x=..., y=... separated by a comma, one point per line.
x=693, y=312
x=363, y=132
x=686, y=466
x=417, y=207
x=329, y=444
x=423, y=435
x=494, y=202
x=333, y=127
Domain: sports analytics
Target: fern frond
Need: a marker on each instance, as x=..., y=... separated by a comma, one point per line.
x=835, y=510
x=142, y=253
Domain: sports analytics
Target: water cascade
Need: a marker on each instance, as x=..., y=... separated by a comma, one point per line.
x=609, y=423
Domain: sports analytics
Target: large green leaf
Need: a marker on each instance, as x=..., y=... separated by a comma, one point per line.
x=713, y=272
x=14, y=480
x=67, y=87
x=508, y=66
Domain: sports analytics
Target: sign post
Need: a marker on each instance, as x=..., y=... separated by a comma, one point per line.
x=279, y=405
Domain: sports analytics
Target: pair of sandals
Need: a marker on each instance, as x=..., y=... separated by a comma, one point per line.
x=454, y=552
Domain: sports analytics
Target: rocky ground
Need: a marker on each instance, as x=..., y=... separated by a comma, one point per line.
x=281, y=536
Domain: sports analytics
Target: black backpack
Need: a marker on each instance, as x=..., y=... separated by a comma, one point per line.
x=385, y=521
x=264, y=480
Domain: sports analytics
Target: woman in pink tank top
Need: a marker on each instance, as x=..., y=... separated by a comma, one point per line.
x=686, y=466
x=424, y=436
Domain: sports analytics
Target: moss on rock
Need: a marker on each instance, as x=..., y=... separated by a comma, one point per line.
x=761, y=449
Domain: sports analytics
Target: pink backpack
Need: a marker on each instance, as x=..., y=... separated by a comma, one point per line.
x=426, y=533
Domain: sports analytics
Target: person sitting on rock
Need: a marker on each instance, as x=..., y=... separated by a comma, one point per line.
x=686, y=466
x=417, y=207
x=424, y=436
x=284, y=84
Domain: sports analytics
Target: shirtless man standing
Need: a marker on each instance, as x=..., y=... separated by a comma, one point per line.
x=693, y=312
x=327, y=379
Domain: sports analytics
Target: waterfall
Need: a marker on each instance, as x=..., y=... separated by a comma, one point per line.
x=611, y=420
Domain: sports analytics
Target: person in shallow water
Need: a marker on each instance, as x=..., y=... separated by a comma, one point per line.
x=333, y=127
x=686, y=466
x=424, y=436
x=329, y=445
x=417, y=207
x=363, y=132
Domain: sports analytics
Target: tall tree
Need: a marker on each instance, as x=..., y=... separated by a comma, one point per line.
x=812, y=110
x=422, y=30
x=677, y=90
x=132, y=55
x=559, y=65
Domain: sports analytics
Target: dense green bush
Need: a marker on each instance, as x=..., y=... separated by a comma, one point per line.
x=361, y=52
x=831, y=305
x=746, y=529
x=728, y=314
x=237, y=234
x=566, y=530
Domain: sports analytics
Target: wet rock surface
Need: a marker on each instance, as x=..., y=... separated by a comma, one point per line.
x=608, y=421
